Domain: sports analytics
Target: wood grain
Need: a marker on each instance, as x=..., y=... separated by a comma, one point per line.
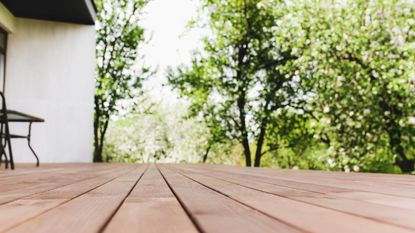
x=191, y=198
x=87, y=213
x=214, y=212
x=150, y=208
x=313, y=212
x=21, y=210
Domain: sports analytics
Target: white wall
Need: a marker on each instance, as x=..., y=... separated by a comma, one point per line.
x=50, y=73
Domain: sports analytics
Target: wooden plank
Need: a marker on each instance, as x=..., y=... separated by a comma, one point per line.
x=18, y=182
x=402, y=179
x=26, y=175
x=44, y=169
x=405, y=194
x=334, y=192
x=214, y=212
x=303, y=215
x=19, y=187
x=19, y=211
x=87, y=213
x=6, y=174
x=403, y=203
x=216, y=198
x=390, y=214
x=151, y=208
x=391, y=185
x=328, y=179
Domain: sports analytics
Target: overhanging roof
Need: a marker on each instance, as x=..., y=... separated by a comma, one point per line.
x=70, y=11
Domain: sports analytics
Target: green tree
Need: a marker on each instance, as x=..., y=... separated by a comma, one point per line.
x=240, y=77
x=361, y=55
x=119, y=73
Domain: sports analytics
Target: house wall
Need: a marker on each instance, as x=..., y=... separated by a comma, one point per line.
x=50, y=74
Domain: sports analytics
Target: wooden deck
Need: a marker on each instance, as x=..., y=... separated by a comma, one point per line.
x=201, y=198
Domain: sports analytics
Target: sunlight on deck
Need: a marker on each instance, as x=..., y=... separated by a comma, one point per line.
x=201, y=198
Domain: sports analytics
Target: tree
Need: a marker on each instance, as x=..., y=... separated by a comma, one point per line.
x=119, y=73
x=161, y=134
x=361, y=55
x=291, y=130
x=241, y=77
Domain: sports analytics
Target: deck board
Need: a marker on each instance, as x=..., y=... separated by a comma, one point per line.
x=23, y=209
x=335, y=180
x=201, y=198
x=87, y=213
x=214, y=212
x=315, y=207
x=302, y=189
x=26, y=184
x=149, y=206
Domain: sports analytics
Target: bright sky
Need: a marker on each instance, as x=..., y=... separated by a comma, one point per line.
x=171, y=43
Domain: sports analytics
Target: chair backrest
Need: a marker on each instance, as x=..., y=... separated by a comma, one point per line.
x=3, y=98
x=5, y=132
x=3, y=111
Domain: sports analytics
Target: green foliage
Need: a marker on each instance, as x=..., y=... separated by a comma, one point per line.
x=161, y=134
x=360, y=57
x=241, y=77
x=312, y=84
x=305, y=84
x=119, y=73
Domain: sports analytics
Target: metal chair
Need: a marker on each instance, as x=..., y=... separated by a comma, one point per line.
x=7, y=116
x=5, y=138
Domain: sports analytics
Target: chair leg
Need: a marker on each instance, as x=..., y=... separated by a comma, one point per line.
x=3, y=153
x=1, y=158
x=33, y=151
x=2, y=147
x=11, y=160
x=28, y=143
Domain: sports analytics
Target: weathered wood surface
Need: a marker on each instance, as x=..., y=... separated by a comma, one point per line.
x=201, y=198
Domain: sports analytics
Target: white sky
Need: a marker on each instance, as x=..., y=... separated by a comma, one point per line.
x=171, y=42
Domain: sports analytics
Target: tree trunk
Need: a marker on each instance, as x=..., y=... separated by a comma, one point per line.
x=245, y=139
x=247, y=152
x=241, y=101
x=395, y=142
x=395, y=138
x=260, y=143
x=244, y=131
x=100, y=128
x=205, y=156
x=406, y=166
x=97, y=116
x=98, y=154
